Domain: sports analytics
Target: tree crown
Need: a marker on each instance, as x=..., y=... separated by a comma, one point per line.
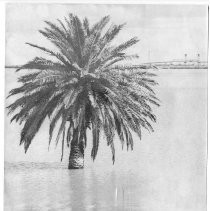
x=87, y=86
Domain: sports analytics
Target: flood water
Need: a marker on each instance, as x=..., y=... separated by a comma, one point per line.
x=166, y=171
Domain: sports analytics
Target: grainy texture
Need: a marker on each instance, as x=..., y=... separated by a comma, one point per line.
x=166, y=171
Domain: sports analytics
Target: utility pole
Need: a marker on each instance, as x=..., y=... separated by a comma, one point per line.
x=149, y=58
x=185, y=59
x=198, y=59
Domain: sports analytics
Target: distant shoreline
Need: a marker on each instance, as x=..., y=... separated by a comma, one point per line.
x=182, y=68
x=144, y=67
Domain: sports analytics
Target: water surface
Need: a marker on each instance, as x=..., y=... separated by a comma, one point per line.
x=165, y=172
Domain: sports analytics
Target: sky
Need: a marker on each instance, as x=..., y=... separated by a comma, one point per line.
x=166, y=32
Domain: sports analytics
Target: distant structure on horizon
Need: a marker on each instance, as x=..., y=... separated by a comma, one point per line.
x=173, y=64
x=180, y=64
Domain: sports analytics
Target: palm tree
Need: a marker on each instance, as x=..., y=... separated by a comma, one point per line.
x=86, y=85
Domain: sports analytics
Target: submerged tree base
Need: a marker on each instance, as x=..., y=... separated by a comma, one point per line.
x=71, y=167
x=77, y=163
x=76, y=158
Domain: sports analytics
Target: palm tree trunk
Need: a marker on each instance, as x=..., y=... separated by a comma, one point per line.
x=76, y=157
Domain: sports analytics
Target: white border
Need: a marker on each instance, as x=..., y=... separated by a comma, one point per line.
x=195, y=2
x=208, y=125
x=2, y=97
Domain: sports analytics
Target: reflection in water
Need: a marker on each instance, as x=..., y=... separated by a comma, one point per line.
x=54, y=188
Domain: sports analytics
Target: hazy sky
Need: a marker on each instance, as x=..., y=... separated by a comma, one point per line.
x=167, y=31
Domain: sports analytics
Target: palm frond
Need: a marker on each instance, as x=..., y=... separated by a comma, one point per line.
x=98, y=27
x=57, y=55
x=125, y=45
x=95, y=134
x=62, y=149
x=113, y=152
x=86, y=27
x=58, y=111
